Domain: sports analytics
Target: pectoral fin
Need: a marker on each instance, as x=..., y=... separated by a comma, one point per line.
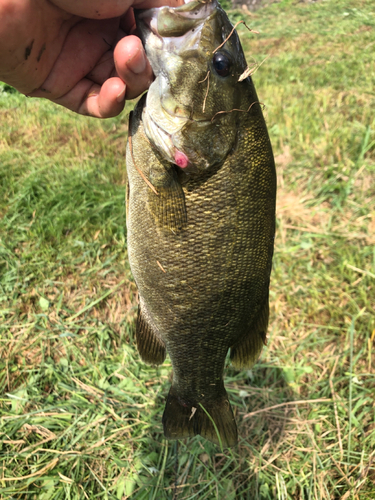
x=168, y=206
x=150, y=347
x=244, y=353
x=166, y=199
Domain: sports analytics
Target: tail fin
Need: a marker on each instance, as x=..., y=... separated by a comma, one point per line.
x=214, y=420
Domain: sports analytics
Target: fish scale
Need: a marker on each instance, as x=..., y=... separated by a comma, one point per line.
x=200, y=247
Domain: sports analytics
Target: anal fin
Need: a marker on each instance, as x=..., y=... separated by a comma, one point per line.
x=246, y=351
x=150, y=347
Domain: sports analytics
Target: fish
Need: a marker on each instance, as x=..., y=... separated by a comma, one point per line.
x=201, y=189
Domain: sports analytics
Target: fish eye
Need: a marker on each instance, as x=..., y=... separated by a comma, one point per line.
x=221, y=63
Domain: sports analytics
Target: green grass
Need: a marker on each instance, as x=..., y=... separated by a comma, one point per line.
x=80, y=415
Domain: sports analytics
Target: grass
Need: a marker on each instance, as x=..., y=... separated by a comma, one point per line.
x=80, y=415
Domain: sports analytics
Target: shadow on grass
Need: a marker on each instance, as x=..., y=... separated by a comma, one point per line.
x=242, y=472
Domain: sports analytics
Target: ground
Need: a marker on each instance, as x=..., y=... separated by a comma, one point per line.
x=80, y=415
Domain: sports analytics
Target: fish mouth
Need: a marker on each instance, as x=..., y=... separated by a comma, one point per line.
x=171, y=30
x=174, y=22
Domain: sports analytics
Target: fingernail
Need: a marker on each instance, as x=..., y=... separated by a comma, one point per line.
x=137, y=64
x=121, y=96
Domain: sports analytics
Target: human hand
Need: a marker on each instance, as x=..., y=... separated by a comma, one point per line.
x=80, y=54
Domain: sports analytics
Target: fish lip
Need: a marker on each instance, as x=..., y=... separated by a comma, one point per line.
x=147, y=20
x=143, y=23
x=188, y=119
x=184, y=10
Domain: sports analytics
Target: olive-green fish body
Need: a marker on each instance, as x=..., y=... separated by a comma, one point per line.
x=200, y=242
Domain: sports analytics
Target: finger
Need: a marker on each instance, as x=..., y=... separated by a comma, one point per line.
x=85, y=45
x=99, y=9
x=104, y=69
x=88, y=98
x=132, y=66
x=149, y=4
x=94, y=9
x=127, y=22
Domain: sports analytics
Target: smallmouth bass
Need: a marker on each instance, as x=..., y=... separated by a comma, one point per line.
x=200, y=214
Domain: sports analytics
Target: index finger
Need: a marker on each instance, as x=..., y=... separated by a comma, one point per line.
x=150, y=4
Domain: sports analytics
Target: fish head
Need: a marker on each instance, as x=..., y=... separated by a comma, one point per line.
x=197, y=60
